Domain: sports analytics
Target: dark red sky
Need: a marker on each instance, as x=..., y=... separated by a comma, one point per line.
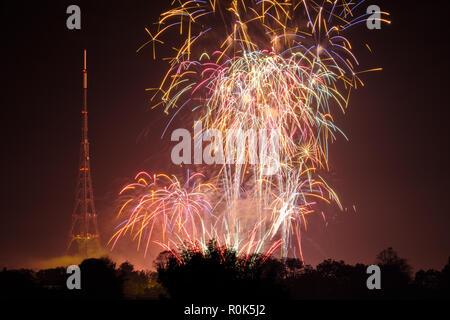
x=394, y=168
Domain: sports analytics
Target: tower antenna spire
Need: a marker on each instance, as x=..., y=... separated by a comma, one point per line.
x=84, y=229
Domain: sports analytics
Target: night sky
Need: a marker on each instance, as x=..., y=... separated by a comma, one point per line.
x=394, y=168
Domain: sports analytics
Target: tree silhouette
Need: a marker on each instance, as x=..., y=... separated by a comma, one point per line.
x=17, y=283
x=99, y=279
x=389, y=257
x=294, y=266
x=445, y=279
x=395, y=273
x=135, y=283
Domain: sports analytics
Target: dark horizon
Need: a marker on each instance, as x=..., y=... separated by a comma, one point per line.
x=393, y=168
x=218, y=273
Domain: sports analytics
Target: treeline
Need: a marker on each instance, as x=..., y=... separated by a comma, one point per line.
x=100, y=279
x=219, y=274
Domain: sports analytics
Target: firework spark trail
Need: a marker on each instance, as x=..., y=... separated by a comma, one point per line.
x=163, y=202
x=263, y=91
x=283, y=27
x=278, y=66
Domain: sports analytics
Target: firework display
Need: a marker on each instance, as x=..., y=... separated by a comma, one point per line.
x=283, y=68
